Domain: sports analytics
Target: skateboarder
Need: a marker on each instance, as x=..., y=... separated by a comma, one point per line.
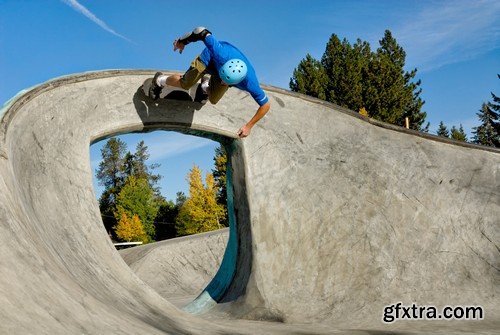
x=227, y=67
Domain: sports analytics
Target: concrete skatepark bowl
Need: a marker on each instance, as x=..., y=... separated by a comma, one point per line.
x=335, y=216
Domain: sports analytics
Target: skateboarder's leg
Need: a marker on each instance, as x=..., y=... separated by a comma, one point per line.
x=174, y=80
x=192, y=75
x=217, y=89
x=185, y=81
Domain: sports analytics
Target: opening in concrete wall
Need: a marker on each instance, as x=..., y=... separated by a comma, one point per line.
x=179, y=182
x=173, y=164
x=152, y=175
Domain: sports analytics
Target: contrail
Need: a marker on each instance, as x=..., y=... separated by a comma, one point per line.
x=81, y=9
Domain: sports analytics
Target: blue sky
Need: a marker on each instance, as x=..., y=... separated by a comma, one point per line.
x=455, y=45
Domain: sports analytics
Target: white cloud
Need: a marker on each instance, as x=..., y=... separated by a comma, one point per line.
x=161, y=145
x=449, y=32
x=82, y=10
x=169, y=145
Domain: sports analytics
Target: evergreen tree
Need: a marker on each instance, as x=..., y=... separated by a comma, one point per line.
x=344, y=67
x=413, y=110
x=458, y=134
x=142, y=169
x=442, y=130
x=200, y=212
x=110, y=174
x=309, y=78
x=165, y=220
x=136, y=165
x=115, y=168
x=137, y=198
x=128, y=164
x=180, y=199
x=488, y=132
x=219, y=174
x=396, y=96
x=426, y=128
x=495, y=108
x=358, y=78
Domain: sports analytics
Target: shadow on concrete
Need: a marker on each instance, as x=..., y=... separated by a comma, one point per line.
x=175, y=110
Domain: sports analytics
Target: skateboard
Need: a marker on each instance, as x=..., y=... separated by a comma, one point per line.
x=194, y=94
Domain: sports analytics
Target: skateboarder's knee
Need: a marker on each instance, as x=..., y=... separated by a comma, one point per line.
x=190, y=78
x=193, y=74
x=217, y=90
x=214, y=99
x=186, y=84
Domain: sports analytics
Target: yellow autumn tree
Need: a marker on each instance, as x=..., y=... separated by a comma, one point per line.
x=363, y=111
x=130, y=230
x=200, y=212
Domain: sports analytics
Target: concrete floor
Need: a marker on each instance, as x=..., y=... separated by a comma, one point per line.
x=335, y=217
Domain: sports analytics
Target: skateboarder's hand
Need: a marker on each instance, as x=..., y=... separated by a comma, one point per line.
x=244, y=131
x=179, y=46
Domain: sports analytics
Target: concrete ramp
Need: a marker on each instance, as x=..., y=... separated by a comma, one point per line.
x=179, y=269
x=335, y=217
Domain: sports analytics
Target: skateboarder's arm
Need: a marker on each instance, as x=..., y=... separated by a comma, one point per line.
x=198, y=34
x=246, y=129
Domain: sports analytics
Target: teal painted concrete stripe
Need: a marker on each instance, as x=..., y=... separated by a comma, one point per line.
x=220, y=283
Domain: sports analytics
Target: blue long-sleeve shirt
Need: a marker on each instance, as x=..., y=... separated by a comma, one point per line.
x=217, y=53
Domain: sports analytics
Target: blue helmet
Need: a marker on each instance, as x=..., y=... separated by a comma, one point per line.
x=233, y=72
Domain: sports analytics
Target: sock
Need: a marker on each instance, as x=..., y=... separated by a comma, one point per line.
x=204, y=86
x=161, y=80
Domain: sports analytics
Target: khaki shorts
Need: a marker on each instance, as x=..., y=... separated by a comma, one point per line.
x=195, y=72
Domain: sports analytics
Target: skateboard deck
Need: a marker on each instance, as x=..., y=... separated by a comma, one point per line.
x=194, y=94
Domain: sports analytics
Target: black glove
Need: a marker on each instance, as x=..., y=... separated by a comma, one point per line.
x=197, y=34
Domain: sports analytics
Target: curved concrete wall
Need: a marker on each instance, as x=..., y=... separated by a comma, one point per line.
x=180, y=268
x=336, y=217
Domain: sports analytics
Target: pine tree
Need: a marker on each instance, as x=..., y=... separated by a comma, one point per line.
x=458, y=134
x=219, y=174
x=413, y=110
x=110, y=174
x=129, y=164
x=488, y=133
x=200, y=212
x=136, y=165
x=142, y=169
x=116, y=167
x=344, y=66
x=165, y=220
x=358, y=78
x=180, y=199
x=396, y=96
x=309, y=78
x=442, y=130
